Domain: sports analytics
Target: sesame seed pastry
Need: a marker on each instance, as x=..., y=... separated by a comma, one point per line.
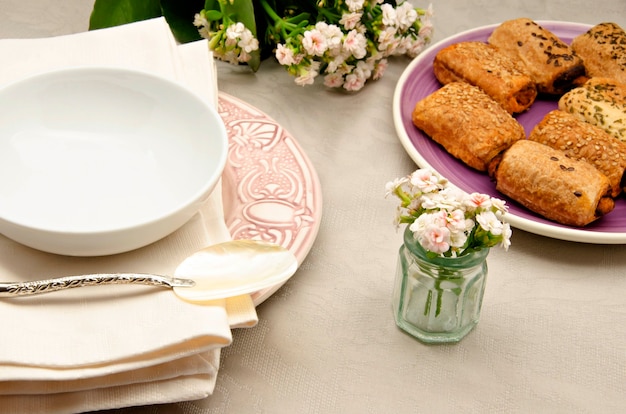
x=600, y=102
x=469, y=124
x=582, y=141
x=551, y=184
x=551, y=63
x=603, y=48
x=482, y=65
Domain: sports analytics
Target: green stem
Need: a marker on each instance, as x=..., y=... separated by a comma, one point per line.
x=439, y=295
x=270, y=12
x=328, y=15
x=282, y=27
x=429, y=301
x=443, y=275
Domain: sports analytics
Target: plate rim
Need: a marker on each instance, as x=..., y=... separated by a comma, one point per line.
x=548, y=230
x=301, y=250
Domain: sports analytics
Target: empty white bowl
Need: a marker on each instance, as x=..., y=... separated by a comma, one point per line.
x=97, y=161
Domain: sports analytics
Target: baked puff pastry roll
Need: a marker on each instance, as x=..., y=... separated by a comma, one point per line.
x=549, y=61
x=582, y=141
x=600, y=102
x=467, y=123
x=551, y=184
x=603, y=48
x=482, y=65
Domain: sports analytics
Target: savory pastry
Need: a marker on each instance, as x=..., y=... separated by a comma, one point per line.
x=549, y=183
x=603, y=48
x=549, y=61
x=482, y=65
x=582, y=141
x=601, y=102
x=467, y=123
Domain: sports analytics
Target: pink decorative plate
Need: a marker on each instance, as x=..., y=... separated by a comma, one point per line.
x=270, y=189
x=418, y=81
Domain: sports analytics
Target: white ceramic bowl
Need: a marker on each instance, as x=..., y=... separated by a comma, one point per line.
x=97, y=161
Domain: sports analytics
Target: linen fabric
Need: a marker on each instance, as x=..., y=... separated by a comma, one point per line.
x=103, y=347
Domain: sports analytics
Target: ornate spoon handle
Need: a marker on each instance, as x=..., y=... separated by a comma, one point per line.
x=8, y=289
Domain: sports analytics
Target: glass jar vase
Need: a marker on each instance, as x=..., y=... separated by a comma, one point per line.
x=438, y=300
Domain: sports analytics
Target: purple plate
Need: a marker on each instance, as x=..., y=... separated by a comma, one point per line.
x=418, y=81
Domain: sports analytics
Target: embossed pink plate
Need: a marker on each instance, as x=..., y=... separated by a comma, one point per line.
x=271, y=191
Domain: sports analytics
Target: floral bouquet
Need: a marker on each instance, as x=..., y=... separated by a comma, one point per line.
x=346, y=41
x=446, y=221
x=442, y=269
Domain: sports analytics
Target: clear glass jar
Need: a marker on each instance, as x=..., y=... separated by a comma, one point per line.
x=438, y=299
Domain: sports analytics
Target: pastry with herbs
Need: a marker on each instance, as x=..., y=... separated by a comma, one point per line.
x=600, y=102
x=546, y=181
x=483, y=65
x=469, y=124
x=582, y=141
x=603, y=48
x=551, y=63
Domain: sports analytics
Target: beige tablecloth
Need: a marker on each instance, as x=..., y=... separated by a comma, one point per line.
x=552, y=336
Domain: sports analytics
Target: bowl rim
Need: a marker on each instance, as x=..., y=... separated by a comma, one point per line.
x=196, y=197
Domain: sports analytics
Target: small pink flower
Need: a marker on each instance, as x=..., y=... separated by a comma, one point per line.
x=387, y=41
x=426, y=30
x=355, y=44
x=499, y=205
x=506, y=236
x=314, y=42
x=350, y=20
x=379, y=69
x=389, y=14
x=306, y=75
x=333, y=80
x=440, y=218
x=285, y=55
x=424, y=180
x=415, y=47
x=405, y=15
x=244, y=56
x=332, y=34
x=490, y=222
x=477, y=200
x=353, y=82
x=436, y=239
x=354, y=5
x=456, y=220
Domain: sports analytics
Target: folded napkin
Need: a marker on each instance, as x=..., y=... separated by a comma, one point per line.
x=106, y=347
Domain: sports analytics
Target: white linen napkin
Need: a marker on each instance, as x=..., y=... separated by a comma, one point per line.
x=114, y=346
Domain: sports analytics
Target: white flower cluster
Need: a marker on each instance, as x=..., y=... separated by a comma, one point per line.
x=356, y=48
x=445, y=220
x=392, y=40
x=233, y=44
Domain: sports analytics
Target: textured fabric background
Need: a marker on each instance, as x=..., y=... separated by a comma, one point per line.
x=552, y=336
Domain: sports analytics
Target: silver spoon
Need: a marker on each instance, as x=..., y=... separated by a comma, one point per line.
x=223, y=270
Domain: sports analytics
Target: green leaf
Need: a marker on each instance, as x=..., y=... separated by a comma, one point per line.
x=179, y=15
x=211, y=5
x=213, y=15
x=108, y=13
